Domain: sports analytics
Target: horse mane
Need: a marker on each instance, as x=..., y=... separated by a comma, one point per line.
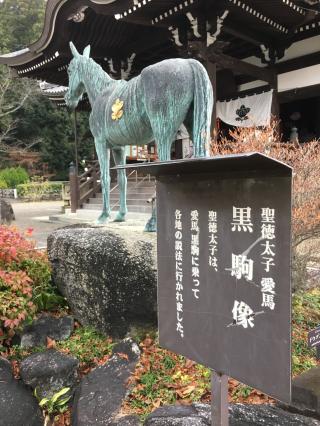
x=91, y=68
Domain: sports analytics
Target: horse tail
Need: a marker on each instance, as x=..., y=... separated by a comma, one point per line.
x=202, y=109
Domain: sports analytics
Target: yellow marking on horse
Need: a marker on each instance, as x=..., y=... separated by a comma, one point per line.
x=117, y=111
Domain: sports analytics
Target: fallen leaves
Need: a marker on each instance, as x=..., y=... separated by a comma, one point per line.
x=162, y=377
x=51, y=343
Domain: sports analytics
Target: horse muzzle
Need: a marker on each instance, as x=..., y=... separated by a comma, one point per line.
x=71, y=103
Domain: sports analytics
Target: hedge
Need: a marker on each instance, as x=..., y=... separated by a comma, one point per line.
x=3, y=184
x=14, y=176
x=40, y=191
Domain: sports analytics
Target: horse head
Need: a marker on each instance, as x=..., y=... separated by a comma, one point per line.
x=76, y=87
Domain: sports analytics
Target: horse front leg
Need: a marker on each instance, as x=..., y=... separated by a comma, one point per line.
x=119, y=155
x=104, y=161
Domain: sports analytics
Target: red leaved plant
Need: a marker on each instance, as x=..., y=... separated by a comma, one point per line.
x=20, y=264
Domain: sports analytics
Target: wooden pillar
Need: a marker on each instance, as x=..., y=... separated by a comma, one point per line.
x=75, y=125
x=200, y=52
x=275, y=109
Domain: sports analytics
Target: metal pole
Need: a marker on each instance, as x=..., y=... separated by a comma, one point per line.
x=75, y=141
x=74, y=188
x=219, y=399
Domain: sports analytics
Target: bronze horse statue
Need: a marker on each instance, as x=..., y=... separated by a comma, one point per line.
x=149, y=107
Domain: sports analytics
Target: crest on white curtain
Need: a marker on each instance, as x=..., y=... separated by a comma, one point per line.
x=254, y=110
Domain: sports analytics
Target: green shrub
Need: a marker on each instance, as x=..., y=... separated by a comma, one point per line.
x=3, y=184
x=40, y=191
x=14, y=176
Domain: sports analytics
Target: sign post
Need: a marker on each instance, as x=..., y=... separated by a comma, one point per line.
x=224, y=291
x=219, y=395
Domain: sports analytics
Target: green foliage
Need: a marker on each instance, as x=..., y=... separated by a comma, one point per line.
x=14, y=176
x=306, y=316
x=58, y=403
x=48, y=128
x=21, y=23
x=242, y=391
x=48, y=299
x=39, y=191
x=3, y=184
x=44, y=295
x=17, y=353
x=54, y=127
x=87, y=345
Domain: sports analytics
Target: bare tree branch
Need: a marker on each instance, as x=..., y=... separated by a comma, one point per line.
x=13, y=95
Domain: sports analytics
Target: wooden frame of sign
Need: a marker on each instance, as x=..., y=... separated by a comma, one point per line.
x=224, y=290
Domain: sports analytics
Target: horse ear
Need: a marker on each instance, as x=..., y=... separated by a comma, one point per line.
x=74, y=50
x=86, y=52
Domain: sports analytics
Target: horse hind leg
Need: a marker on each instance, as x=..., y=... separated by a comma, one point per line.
x=119, y=155
x=188, y=122
x=103, y=154
x=164, y=153
x=164, y=150
x=164, y=142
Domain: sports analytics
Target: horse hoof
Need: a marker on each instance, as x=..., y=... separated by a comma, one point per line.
x=103, y=218
x=151, y=225
x=121, y=217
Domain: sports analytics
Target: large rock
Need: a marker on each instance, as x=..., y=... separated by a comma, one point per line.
x=99, y=396
x=6, y=213
x=36, y=333
x=126, y=421
x=49, y=372
x=239, y=415
x=108, y=277
x=17, y=404
x=306, y=391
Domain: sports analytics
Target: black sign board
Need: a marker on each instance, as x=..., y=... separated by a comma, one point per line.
x=314, y=340
x=314, y=337
x=224, y=293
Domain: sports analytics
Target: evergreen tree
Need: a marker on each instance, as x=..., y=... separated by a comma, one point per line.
x=37, y=123
x=21, y=23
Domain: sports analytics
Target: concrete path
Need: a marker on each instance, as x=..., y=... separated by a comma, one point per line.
x=46, y=216
x=36, y=215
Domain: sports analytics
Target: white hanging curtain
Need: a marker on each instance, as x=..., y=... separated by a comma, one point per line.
x=249, y=111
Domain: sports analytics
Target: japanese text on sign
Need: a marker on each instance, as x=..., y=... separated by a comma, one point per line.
x=195, y=235
x=213, y=239
x=178, y=271
x=243, y=267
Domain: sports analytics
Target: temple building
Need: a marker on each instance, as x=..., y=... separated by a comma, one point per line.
x=262, y=56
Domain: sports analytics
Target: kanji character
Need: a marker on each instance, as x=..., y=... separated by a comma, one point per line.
x=268, y=300
x=243, y=314
x=268, y=262
x=241, y=219
x=268, y=231
x=267, y=215
x=268, y=285
x=268, y=248
x=241, y=266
